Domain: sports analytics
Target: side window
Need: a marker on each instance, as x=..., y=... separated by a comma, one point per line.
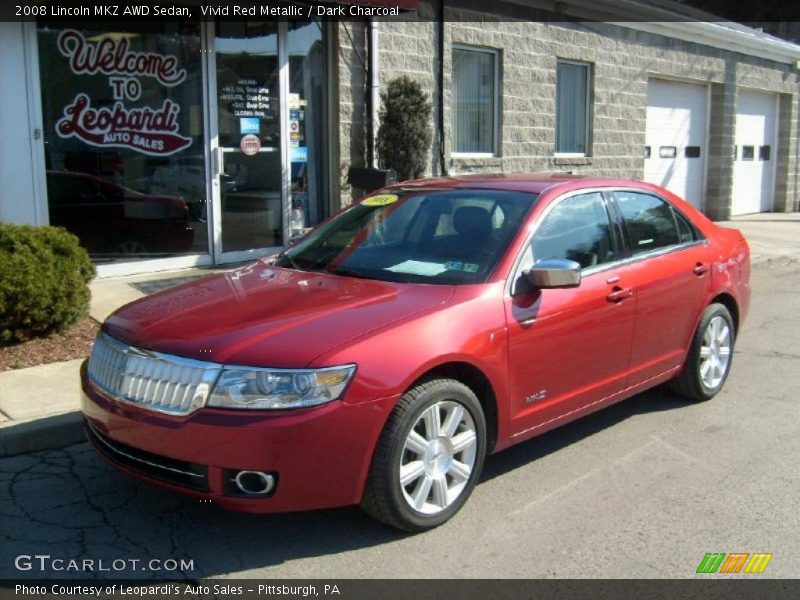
x=577, y=228
x=649, y=220
x=685, y=231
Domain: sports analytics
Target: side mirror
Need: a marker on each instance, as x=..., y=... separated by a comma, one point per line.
x=554, y=273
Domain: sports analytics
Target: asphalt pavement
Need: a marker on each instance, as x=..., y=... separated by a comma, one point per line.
x=642, y=489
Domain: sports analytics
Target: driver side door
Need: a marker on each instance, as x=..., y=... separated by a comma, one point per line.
x=569, y=349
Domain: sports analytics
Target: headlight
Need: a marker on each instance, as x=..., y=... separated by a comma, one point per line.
x=276, y=389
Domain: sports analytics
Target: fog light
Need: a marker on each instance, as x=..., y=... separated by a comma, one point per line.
x=254, y=483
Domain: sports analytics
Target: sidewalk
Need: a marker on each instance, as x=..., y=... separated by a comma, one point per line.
x=40, y=406
x=770, y=235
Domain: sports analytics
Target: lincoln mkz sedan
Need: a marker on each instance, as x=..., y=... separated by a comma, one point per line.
x=379, y=359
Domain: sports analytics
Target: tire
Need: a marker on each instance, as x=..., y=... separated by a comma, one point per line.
x=448, y=464
x=699, y=382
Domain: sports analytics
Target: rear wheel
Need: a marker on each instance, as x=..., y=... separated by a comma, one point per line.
x=709, y=360
x=429, y=457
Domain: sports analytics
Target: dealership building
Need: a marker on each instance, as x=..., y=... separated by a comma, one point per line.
x=171, y=143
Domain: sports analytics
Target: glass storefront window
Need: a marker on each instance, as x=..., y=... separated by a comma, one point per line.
x=124, y=137
x=248, y=120
x=306, y=133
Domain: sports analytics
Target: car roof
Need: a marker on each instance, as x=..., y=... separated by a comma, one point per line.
x=520, y=182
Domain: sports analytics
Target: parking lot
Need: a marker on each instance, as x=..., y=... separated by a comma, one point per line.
x=643, y=489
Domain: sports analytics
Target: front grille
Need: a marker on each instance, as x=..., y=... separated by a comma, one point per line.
x=152, y=380
x=159, y=467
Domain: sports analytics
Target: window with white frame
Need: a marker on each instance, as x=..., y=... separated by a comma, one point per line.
x=573, y=108
x=475, y=100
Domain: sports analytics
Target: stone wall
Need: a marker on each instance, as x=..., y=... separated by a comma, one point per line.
x=622, y=60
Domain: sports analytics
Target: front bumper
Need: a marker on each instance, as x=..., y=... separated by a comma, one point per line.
x=320, y=456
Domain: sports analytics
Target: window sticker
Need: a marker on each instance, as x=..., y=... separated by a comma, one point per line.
x=379, y=200
x=470, y=267
x=417, y=267
x=453, y=265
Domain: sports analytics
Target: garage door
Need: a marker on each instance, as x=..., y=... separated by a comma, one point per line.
x=675, y=139
x=754, y=166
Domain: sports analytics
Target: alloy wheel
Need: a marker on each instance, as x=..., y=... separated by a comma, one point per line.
x=715, y=352
x=438, y=457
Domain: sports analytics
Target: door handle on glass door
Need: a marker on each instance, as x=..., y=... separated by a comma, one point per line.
x=619, y=294
x=700, y=268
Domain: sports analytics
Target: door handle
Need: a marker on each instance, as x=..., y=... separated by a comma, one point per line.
x=619, y=294
x=700, y=268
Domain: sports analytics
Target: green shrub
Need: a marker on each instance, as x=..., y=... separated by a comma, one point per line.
x=404, y=135
x=44, y=274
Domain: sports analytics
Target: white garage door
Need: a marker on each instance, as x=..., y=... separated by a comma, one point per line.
x=754, y=166
x=675, y=139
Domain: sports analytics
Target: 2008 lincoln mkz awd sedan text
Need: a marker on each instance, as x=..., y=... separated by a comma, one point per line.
x=379, y=359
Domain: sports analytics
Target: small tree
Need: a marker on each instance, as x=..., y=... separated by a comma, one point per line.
x=404, y=135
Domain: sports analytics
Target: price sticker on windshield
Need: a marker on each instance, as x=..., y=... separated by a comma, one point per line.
x=380, y=200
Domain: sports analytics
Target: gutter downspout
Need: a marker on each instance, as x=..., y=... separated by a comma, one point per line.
x=374, y=93
x=440, y=124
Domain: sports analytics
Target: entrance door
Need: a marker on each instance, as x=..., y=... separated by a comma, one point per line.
x=250, y=183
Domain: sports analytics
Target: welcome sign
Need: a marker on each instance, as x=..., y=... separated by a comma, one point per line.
x=152, y=131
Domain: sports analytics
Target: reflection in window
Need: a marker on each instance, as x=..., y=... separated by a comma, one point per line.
x=577, y=228
x=686, y=231
x=306, y=125
x=649, y=221
x=668, y=152
x=125, y=151
x=748, y=152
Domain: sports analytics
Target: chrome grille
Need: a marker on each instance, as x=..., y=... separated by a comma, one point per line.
x=152, y=380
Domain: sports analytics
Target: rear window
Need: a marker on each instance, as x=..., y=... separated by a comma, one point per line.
x=649, y=221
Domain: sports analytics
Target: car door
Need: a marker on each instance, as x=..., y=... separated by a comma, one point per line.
x=570, y=348
x=671, y=269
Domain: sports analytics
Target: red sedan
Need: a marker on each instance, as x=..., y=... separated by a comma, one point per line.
x=379, y=359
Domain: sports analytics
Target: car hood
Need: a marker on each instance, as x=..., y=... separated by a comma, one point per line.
x=262, y=315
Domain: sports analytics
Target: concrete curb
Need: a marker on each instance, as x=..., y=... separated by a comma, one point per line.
x=48, y=433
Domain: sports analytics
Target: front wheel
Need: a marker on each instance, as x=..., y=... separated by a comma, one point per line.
x=428, y=458
x=709, y=360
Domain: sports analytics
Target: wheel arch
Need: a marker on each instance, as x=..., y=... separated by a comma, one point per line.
x=729, y=302
x=476, y=380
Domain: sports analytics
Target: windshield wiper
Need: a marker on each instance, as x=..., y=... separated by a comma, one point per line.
x=348, y=272
x=283, y=255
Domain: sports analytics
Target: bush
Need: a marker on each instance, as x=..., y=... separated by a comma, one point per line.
x=404, y=135
x=44, y=274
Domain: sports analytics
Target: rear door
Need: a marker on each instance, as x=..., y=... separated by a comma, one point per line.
x=569, y=348
x=670, y=265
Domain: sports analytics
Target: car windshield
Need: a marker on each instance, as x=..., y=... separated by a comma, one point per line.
x=432, y=236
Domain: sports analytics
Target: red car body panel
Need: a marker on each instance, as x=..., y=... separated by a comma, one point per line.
x=583, y=350
x=259, y=313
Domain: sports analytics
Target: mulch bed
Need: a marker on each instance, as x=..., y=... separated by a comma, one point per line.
x=74, y=342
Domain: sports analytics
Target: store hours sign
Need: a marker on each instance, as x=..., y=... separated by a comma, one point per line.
x=153, y=131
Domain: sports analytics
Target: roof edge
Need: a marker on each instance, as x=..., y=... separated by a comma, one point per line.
x=676, y=21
